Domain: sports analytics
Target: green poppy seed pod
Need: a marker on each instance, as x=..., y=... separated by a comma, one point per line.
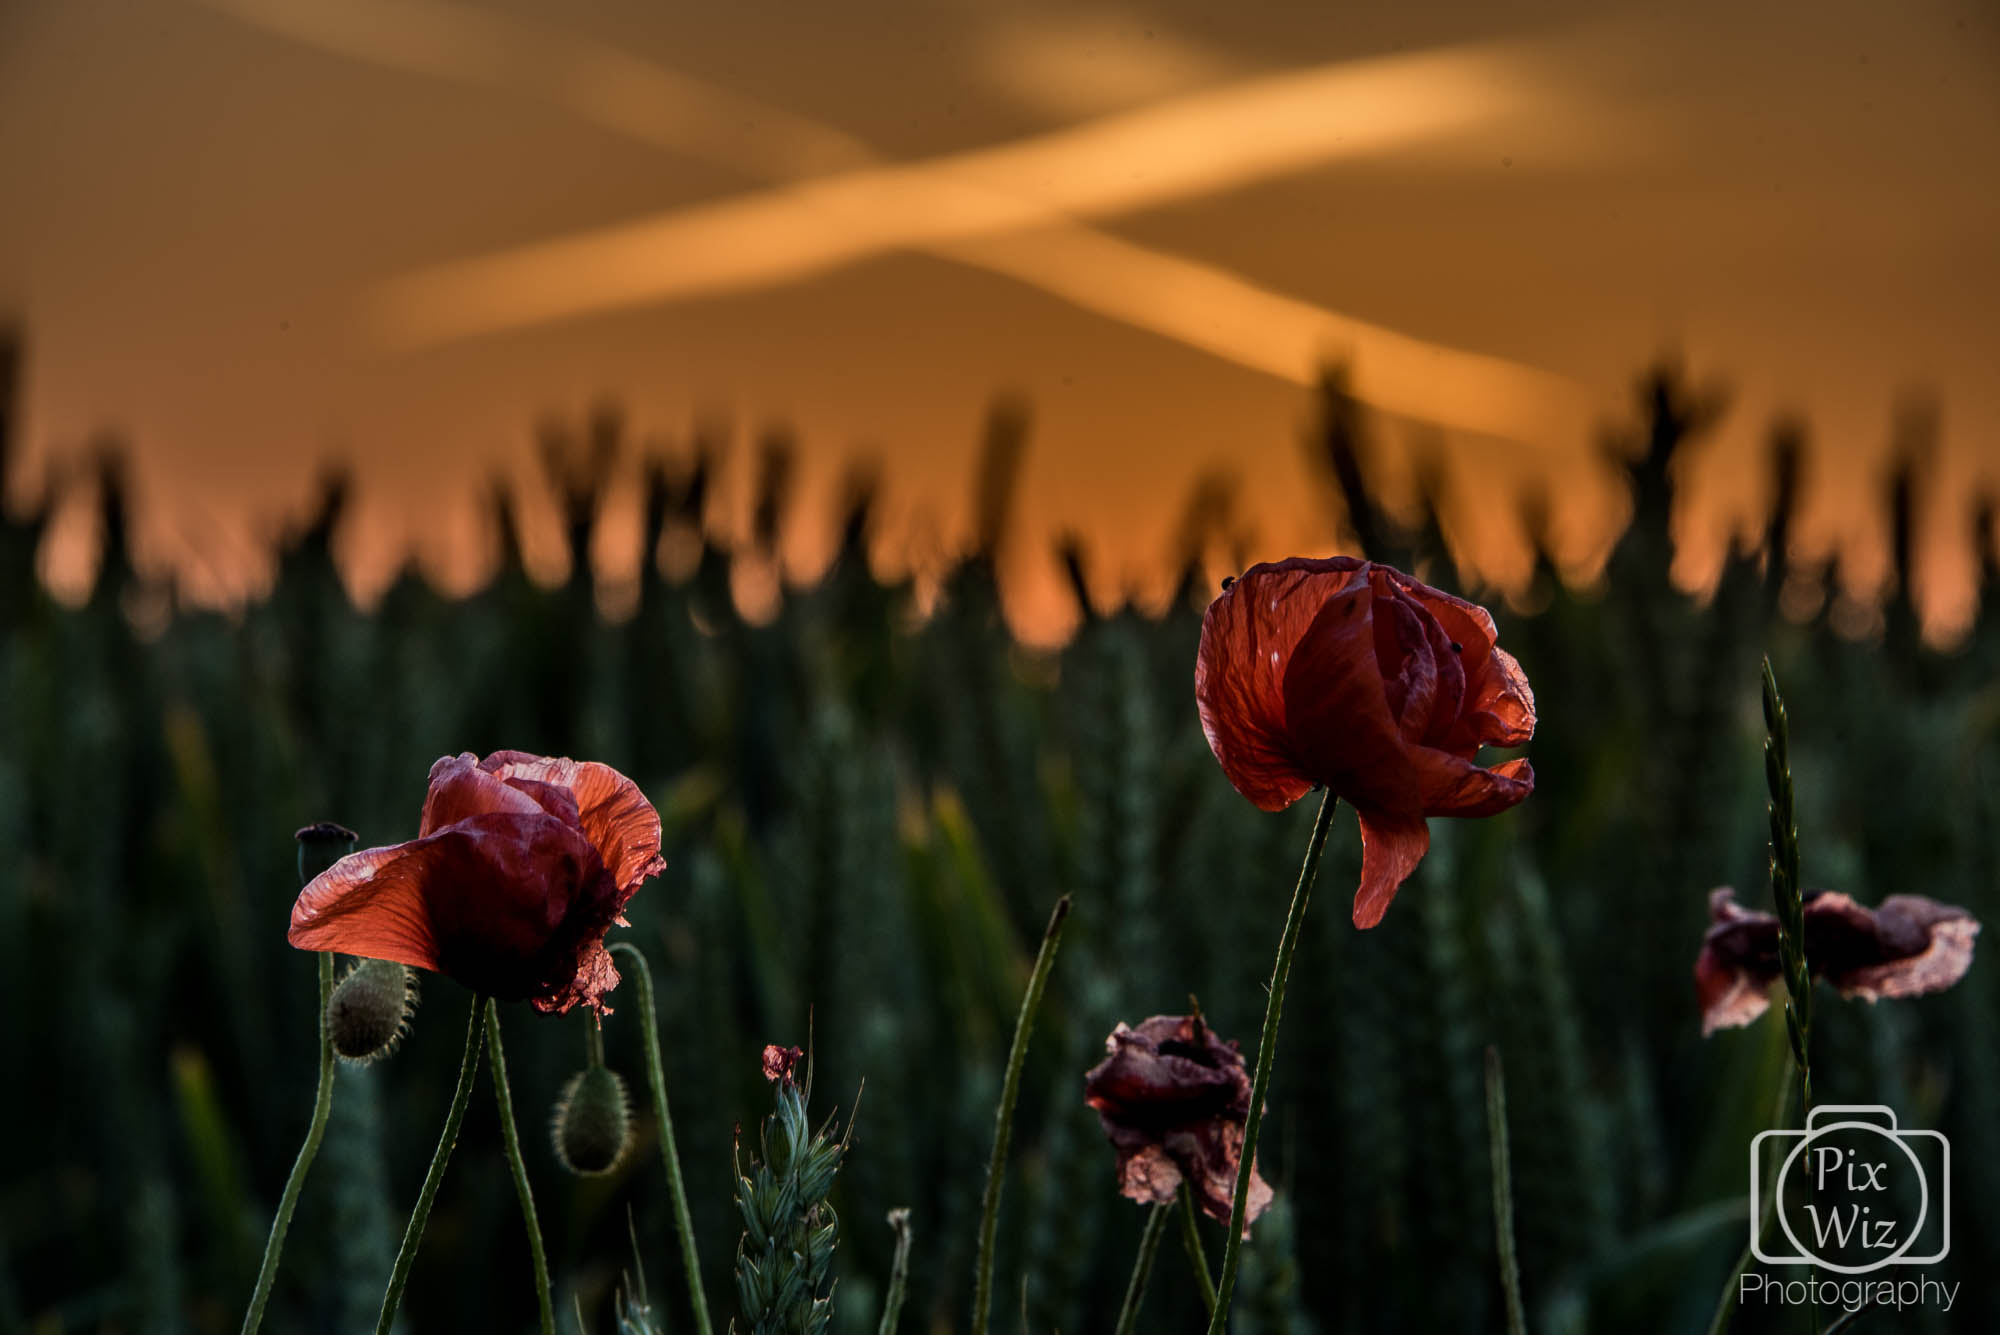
x=322, y=845
x=592, y=1123
x=369, y=1011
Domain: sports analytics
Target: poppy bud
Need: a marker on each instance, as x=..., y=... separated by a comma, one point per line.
x=322, y=845
x=592, y=1123
x=369, y=1011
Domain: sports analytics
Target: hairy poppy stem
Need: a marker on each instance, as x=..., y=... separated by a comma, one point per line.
x=669, y=1151
x=1197, y=1254
x=406, y=1255
x=322, y=1108
x=1142, y=1268
x=1003, y=1117
x=1503, y=1192
x=512, y=1139
x=1267, y=1046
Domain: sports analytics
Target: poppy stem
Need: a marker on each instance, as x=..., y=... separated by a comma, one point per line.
x=511, y=1138
x=593, y=1038
x=669, y=1151
x=1197, y=1254
x=1003, y=1117
x=322, y=1107
x=1142, y=1268
x=1267, y=1046
x=406, y=1255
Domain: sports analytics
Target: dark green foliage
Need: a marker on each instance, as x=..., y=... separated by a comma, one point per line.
x=867, y=815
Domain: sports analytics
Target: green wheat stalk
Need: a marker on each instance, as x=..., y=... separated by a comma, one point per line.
x=1003, y=1117
x=1503, y=1192
x=1785, y=891
x=784, y=1264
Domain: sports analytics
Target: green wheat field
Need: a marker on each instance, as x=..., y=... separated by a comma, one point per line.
x=868, y=816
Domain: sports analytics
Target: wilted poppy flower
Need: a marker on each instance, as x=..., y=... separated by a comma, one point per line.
x=1173, y=1098
x=1908, y=946
x=520, y=865
x=1351, y=675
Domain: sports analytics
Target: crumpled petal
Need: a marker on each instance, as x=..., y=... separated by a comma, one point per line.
x=615, y=814
x=459, y=790
x=1907, y=946
x=1454, y=787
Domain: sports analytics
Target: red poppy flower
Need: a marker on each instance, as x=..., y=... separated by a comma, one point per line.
x=1354, y=676
x=1908, y=946
x=1173, y=1098
x=520, y=865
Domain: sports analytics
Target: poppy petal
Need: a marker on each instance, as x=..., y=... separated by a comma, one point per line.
x=371, y=904
x=1729, y=993
x=1449, y=698
x=1403, y=651
x=1914, y=945
x=1149, y=1177
x=1455, y=787
x=1391, y=847
x=459, y=790
x=1248, y=636
x=615, y=814
x=1499, y=706
x=515, y=900
x=1337, y=712
x=595, y=975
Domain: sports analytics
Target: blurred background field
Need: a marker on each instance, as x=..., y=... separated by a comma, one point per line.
x=870, y=806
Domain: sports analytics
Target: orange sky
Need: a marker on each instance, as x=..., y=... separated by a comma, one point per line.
x=253, y=234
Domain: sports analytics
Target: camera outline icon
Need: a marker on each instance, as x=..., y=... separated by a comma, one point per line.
x=1880, y=1120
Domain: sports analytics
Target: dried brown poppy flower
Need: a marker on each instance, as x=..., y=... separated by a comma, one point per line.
x=1172, y=1098
x=1907, y=946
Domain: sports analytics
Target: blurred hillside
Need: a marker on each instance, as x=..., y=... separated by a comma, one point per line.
x=868, y=813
